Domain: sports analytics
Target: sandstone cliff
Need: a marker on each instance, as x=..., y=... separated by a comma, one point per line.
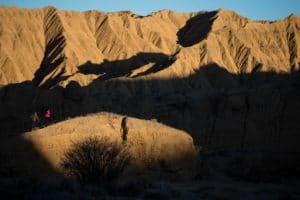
x=49, y=44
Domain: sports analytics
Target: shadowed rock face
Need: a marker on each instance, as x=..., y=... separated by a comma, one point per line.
x=219, y=110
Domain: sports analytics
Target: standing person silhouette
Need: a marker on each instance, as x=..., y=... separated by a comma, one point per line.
x=35, y=120
x=124, y=129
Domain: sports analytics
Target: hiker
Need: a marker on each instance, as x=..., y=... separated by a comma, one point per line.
x=48, y=114
x=124, y=129
x=35, y=120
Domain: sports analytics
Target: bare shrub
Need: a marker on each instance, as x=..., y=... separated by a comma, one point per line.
x=95, y=161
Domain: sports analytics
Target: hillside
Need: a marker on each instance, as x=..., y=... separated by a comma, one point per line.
x=149, y=142
x=221, y=77
x=48, y=45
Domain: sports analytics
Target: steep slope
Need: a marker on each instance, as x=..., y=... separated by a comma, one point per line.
x=267, y=43
x=238, y=44
x=68, y=45
x=21, y=44
x=70, y=39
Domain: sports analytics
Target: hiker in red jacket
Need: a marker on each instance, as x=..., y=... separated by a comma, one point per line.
x=48, y=114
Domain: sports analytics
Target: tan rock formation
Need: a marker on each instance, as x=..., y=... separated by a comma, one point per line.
x=54, y=43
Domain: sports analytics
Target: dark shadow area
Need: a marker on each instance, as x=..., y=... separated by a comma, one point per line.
x=24, y=159
x=223, y=112
x=118, y=68
x=196, y=29
x=23, y=169
x=51, y=60
x=208, y=105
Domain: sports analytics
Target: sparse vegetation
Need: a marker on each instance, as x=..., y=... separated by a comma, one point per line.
x=95, y=161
